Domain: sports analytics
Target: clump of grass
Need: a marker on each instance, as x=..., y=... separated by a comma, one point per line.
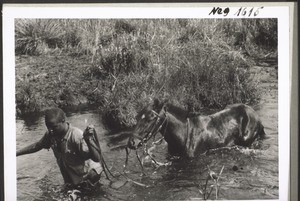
x=27, y=101
x=37, y=36
x=212, y=176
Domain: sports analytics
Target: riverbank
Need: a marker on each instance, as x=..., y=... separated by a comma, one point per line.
x=46, y=81
x=121, y=65
x=73, y=83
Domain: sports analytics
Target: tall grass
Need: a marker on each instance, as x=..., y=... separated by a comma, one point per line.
x=195, y=63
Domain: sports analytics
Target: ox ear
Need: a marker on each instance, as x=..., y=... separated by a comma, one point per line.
x=166, y=101
x=156, y=103
x=164, y=105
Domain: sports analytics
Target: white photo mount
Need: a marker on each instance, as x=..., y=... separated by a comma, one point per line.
x=287, y=70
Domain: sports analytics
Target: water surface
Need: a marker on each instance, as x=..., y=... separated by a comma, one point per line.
x=247, y=173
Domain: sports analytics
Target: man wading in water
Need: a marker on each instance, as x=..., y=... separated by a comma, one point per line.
x=78, y=162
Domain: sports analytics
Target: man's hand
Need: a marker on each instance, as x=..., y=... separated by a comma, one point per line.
x=89, y=132
x=89, y=135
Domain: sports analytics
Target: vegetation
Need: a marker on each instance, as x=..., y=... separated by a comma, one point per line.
x=121, y=65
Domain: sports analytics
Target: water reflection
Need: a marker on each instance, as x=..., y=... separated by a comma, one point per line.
x=181, y=180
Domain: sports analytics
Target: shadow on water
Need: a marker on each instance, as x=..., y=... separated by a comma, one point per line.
x=182, y=180
x=185, y=178
x=80, y=109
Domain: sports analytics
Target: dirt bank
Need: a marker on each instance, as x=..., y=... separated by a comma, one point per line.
x=47, y=81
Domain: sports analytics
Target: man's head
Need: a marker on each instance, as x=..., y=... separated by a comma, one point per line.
x=55, y=121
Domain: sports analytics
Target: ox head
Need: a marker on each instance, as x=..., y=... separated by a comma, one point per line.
x=149, y=122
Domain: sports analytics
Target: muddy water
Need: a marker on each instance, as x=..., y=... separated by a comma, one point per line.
x=247, y=173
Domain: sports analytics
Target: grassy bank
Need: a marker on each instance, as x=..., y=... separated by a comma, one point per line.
x=121, y=65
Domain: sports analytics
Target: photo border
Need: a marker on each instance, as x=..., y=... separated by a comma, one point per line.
x=10, y=12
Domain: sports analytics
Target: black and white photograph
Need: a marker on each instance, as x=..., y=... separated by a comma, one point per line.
x=147, y=102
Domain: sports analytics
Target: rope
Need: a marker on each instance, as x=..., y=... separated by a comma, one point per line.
x=151, y=133
x=104, y=165
x=128, y=179
x=102, y=161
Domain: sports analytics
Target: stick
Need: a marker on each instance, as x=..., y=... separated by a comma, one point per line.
x=209, y=193
x=216, y=183
x=131, y=180
x=138, y=157
x=137, y=183
x=205, y=188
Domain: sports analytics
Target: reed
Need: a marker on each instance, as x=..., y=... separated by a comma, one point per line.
x=195, y=63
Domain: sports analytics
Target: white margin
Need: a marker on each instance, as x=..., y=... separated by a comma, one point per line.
x=10, y=12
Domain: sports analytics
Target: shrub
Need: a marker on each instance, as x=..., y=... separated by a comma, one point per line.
x=27, y=101
x=121, y=65
x=201, y=71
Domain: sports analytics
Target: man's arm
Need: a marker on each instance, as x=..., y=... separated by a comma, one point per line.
x=30, y=149
x=37, y=146
x=92, y=144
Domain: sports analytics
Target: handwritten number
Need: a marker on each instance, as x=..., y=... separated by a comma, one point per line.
x=238, y=12
x=226, y=11
x=244, y=12
x=220, y=11
x=250, y=12
x=257, y=11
